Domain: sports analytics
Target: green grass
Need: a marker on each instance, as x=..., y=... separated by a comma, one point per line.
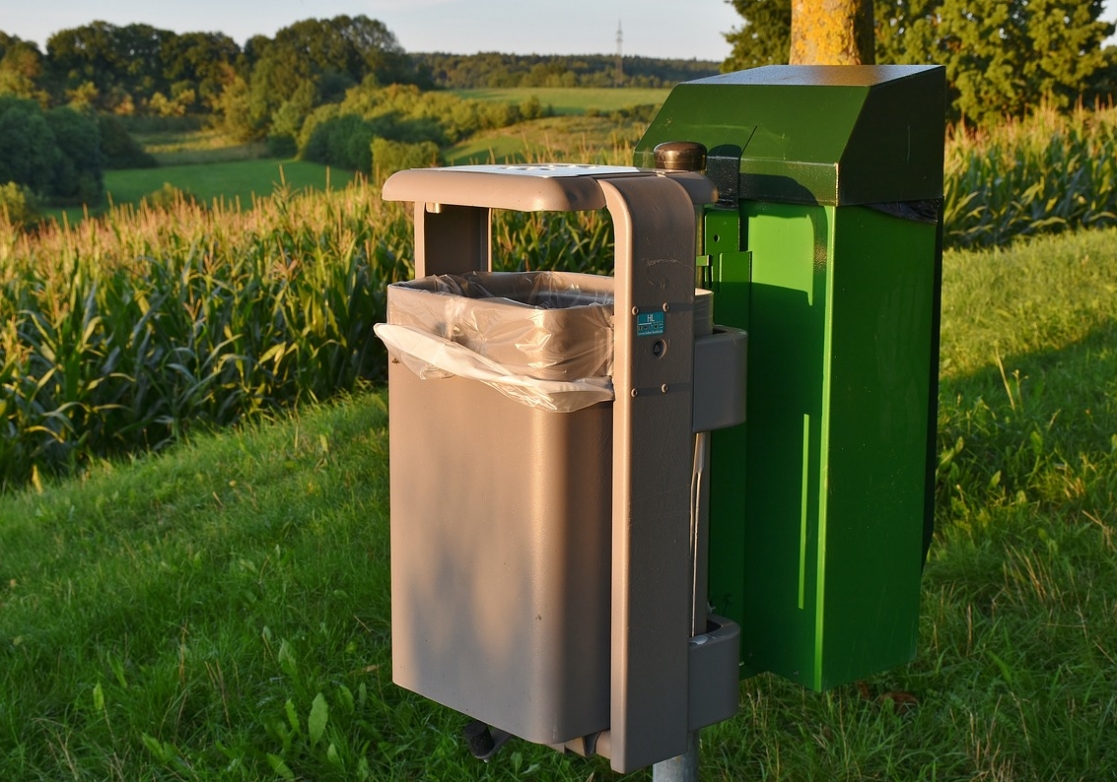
x=573, y=100
x=239, y=181
x=234, y=182
x=180, y=616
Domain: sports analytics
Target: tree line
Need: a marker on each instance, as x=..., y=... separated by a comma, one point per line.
x=493, y=69
x=140, y=69
x=1002, y=57
x=60, y=111
x=289, y=90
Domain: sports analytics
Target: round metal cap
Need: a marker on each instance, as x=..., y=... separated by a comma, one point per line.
x=680, y=156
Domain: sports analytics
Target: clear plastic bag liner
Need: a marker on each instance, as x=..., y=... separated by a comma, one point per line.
x=430, y=356
x=544, y=339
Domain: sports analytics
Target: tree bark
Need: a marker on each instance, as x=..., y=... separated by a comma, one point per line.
x=832, y=32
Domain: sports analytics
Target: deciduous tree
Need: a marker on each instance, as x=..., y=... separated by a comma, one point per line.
x=329, y=54
x=21, y=66
x=28, y=153
x=765, y=36
x=55, y=154
x=79, y=169
x=199, y=62
x=117, y=61
x=1000, y=57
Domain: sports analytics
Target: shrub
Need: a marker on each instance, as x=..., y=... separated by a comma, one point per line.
x=531, y=108
x=56, y=154
x=119, y=148
x=169, y=197
x=79, y=173
x=344, y=141
x=18, y=205
x=28, y=152
x=406, y=114
x=282, y=145
x=388, y=156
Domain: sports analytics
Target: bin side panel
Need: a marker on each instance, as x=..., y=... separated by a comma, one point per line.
x=782, y=471
x=881, y=321
x=839, y=361
x=500, y=573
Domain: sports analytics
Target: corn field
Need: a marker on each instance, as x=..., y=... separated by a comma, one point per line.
x=1048, y=173
x=123, y=333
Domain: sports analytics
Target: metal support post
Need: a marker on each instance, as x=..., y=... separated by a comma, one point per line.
x=681, y=768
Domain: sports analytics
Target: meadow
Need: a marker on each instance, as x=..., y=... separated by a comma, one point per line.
x=579, y=139
x=208, y=176
x=193, y=522
x=239, y=183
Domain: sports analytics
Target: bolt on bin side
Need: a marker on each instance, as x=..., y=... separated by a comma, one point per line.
x=825, y=245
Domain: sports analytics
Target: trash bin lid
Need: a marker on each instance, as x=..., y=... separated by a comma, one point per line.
x=546, y=187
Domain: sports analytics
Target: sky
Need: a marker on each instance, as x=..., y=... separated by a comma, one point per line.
x=687, y=29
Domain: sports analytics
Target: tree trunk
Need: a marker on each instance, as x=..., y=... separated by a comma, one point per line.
x=832, y=32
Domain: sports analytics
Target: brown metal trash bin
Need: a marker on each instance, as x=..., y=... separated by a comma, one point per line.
x=500, y=507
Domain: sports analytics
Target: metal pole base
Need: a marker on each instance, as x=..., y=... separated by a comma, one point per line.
x=681, y=768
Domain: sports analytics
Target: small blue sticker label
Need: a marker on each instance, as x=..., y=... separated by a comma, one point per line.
x=649, y=324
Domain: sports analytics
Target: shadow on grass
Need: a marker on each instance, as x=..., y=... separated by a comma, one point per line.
x=1038, y=427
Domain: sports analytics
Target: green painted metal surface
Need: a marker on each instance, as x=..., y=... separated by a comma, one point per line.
x=835, y=477
x=816, y=134
x=729, y=275
x=819, y=502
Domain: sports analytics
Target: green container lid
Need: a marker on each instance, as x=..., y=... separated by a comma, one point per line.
x=828, y=134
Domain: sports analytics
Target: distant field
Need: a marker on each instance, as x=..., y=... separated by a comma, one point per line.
x=556, y=139
x=211, y=165
x=235, y=181
x=180, y=147
x=573, y=100
x=241, y=179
